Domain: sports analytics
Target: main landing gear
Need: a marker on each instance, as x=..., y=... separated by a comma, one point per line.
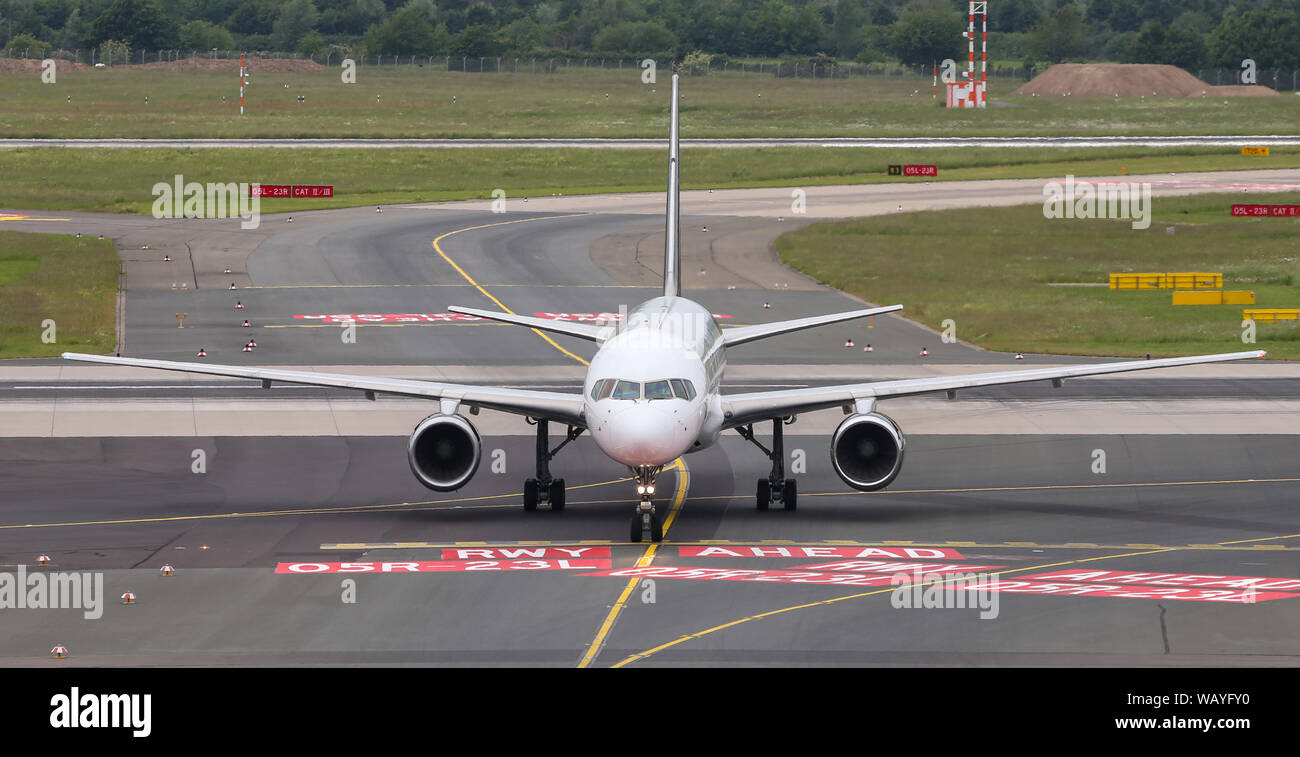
x=646, y=521
x=544, y=489
x=776, y=489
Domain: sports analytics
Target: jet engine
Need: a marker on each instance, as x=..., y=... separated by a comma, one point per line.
x=444, y=452
x=867, y=451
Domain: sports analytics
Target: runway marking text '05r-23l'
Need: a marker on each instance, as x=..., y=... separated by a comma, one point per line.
x=652, y=393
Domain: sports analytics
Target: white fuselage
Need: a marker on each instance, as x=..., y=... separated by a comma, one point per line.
x=651, y=393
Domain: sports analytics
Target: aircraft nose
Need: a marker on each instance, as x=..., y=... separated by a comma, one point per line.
x=640, y=436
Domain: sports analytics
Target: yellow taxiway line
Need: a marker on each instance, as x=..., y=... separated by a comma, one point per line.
x=647, y=557
x=486, y=293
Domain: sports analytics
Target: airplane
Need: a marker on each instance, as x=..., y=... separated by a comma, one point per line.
x=652, y=393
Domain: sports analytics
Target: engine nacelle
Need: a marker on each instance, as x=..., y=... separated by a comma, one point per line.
x=444, y=452
x=867, y=451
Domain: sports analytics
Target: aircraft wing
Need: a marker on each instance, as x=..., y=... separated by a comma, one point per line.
x=557, y=406
x=586, y=331
x=741, y=334
x=740, y=409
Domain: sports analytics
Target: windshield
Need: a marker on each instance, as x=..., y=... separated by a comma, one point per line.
x=661, y=389
x=627, y=390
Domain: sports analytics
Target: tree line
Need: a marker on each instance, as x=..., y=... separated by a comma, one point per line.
x=1188, y=33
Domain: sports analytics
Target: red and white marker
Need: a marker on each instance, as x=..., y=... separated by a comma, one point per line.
x=128, y=598
x=167, y=571
x=924, y=352
x=167, y=258
x=1019, y=356
x=42, y=559
x=247, y=348
x=767, y=306
x=232, y=285
x=59, y=651
x=867, y=349
x=247, y=324
x=239, y=305
x=848, y=342
x=252, y=342
x=202, y=352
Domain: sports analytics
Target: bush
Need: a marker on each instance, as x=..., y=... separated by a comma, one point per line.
x=115, y=51
x=26, y=44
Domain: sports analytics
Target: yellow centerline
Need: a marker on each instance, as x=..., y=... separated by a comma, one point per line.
x=700, y=634
x=486, y=293
x=647, y=557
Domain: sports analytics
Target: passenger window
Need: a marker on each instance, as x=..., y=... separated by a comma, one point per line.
x=627, y=390
x=658, y=390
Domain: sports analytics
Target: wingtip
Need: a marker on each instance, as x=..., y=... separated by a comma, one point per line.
x=1262, y=353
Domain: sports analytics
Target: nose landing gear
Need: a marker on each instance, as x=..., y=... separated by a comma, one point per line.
x=646, y=520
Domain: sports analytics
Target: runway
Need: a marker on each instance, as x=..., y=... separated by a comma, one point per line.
x=1196, y=481
x=1230, y=140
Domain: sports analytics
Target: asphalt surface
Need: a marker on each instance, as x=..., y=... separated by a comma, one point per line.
x=126, y=507
x=122, y=501
x=1231, y=140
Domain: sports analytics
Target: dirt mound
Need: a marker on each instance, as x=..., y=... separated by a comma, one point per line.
x=254, y=65
x=1128, y=80
x=33, y=65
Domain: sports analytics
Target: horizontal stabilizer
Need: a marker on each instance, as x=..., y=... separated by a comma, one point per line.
x=586, y=331
x=742, y=334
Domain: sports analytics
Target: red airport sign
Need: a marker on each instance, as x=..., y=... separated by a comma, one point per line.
x=290, y=190
x=1275, y=211
x=306, y=190
x=920, y=170
x=269, y=190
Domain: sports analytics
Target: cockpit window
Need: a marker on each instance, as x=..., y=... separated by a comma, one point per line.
x=601, y=389
x=684, y=389
x=627, y=390
x=658, y=390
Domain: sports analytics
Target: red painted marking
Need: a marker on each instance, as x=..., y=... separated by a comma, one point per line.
x=269, y=190
x=515, y=553
x=918, y=170
x=1171, y=579
x=390, y=317
x=444, y=566
x=1128, y=592
x=594, y=316
x=307, y=190
x=887, y=566
x=737, y=574
x=441, y=317
x=896, y=553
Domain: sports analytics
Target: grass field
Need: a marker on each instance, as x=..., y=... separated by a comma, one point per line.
x=122, y=180
x=413, y=102
x=58, y=277
x=989, y=270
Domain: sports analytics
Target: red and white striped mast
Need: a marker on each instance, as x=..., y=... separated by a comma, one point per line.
x=241, y=84
x=980, y=7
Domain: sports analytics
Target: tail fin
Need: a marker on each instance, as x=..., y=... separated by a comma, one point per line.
x=672, y=230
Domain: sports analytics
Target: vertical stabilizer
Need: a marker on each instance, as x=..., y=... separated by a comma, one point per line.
x=672, y=230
